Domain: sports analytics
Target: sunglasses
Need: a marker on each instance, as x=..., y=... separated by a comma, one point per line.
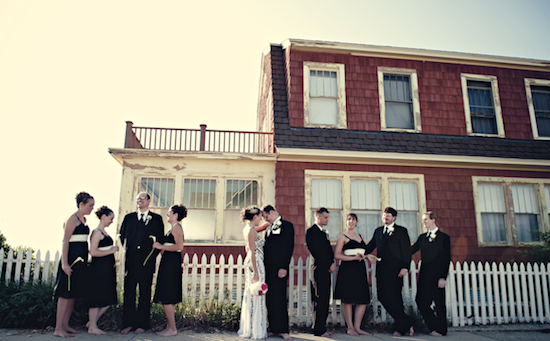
x=141, y=198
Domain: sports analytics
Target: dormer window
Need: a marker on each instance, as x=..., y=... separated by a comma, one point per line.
x=324, y=95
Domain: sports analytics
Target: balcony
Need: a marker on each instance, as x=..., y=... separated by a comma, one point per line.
x=198, y=140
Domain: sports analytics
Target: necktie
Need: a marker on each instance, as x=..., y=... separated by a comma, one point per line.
x=141, y=216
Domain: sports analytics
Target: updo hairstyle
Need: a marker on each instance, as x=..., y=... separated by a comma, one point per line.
x=249, y=212
x=103, y=210
x=83, y=197
x=353, y=215
x=180, y=210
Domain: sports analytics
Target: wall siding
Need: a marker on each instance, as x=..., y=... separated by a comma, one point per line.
x=449, y=193
x=441, y=105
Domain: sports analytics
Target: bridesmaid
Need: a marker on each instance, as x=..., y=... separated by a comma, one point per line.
x=102, y=272
x=352, y=284
x=71, y=274
x=168, y=288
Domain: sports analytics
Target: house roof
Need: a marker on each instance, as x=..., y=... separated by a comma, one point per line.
x=386, y=142
x=415, y=54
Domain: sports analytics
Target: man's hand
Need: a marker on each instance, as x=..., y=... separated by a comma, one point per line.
x=282, y=273
x=403, y=272
x=332, y=268
x=441, y=283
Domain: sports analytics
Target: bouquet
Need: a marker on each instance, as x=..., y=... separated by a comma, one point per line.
x=258, y=288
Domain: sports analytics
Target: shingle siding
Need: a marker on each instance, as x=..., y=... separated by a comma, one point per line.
x=441, y=106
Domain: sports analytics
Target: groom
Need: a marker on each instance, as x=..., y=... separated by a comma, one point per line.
x=279, y=245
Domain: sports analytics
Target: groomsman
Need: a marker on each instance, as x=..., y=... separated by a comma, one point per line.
x=435, y=247
x=393, y=249
x=278, y=248
x=135, y=231
x=321, y=266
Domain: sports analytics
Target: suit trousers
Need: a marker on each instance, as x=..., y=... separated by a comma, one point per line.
x=276, y=302
x=320, y=295
x=389, y=293
x=139, y=318
x=434, y=320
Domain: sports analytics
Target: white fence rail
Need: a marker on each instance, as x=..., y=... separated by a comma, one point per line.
x=477, y=293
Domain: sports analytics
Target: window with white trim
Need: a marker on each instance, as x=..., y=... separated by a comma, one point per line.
x=327, y=192
x=538, y=101
x=399, y=101
x=482, y=105
x=161, y=191
x=239, y=194
x=366, y=194
x=510, y=210
x=324, y=95
x=199, y=195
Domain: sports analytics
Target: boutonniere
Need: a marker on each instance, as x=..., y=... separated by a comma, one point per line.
x=390, y=230
x=150, y=253
x=276, y=228
x=432, y=236
x=148, y=220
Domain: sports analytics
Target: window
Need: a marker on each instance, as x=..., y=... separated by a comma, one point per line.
x=328, y=193
x=199, y=195
x=482, y=105
x=510, y=210
x=538, y=101
x=239, y=194
x=399, y=104
x=161, y=191
x=324, y=95
x=366, y=194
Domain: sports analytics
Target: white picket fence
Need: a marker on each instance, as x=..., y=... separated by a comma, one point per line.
x=478, y=294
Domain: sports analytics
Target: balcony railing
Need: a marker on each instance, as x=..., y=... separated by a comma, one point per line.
x=195, y=140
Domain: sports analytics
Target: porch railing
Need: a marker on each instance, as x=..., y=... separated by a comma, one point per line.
x=195, y=140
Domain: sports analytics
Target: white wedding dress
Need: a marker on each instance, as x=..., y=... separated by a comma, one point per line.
x=253, y=310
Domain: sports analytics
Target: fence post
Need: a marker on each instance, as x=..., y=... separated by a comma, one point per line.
x=203, y=137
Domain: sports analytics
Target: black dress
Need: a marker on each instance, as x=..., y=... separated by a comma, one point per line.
x=352, y=285
x=78, y=247
x=168, y=288
x=102, y=283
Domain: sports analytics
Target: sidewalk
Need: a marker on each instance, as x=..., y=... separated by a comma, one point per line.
x=535, y=332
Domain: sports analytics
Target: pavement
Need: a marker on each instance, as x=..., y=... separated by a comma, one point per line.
x=534, y=332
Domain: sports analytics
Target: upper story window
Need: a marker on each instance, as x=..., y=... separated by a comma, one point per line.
x=366, y=194
x=399, y=104
x=510, y=210
x=538, y=101
x=324, y=95
x=482, y=105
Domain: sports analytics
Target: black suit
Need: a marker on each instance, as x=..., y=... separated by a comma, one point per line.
x=395, y=252
x=436, y=256
x=321, y=258
x=136, y=234
x=278, y=248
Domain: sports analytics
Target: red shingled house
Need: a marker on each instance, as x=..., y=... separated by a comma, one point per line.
x=361, y=127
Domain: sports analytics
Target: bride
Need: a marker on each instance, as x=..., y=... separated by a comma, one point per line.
x=253, y=310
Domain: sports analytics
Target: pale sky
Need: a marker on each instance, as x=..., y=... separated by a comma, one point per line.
x=73, y=71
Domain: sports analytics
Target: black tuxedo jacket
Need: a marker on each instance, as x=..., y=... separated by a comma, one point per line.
x=436, y=256
x=395, y=250
x=320, y=249
x=138, y=244
x=278, y=248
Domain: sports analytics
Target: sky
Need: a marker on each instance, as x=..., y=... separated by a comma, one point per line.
x=72, y=72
